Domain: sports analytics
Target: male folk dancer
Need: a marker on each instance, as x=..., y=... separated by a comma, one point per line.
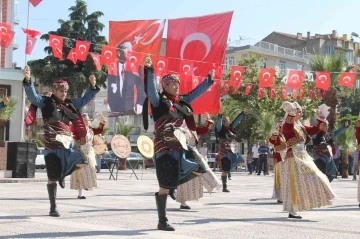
x=304, y=186
x=58, y=111
x=225, y=132
x=278, y=142
x=171, y=112
x=324, y=146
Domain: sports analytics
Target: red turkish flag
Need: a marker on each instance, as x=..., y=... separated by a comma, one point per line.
x=161, y=66
x=284, y=94
x=108, y=55
x=236, y=75
x=311, y=92
x=30, y=32
x=347, y=79
x=196, y=81
x=4, y=29
x=294, y=79
x=261, y=92
x=225, y=86
x=266, y=77
x=35, y=2
x=248, y=88
x=72, y=55
x=186, y=69
x=272, y=92
x=322, y=80
x=96, y=59
x=56, y=43
x=133, y=61
x=82, y=49
x=113, y=68
x=301, y=93
x=30, y=43
x=201, y=39
x=294, y=94
x=6, y=39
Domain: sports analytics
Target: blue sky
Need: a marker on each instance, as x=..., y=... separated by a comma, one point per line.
x=252, y=19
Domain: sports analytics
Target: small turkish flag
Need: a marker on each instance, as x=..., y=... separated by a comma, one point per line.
x=311, y=92
x=260, y=93
x=294, y=94
x=218, y=70
x=35, y=2
x=294, y=79
x=6, y=39
x=108, y=55
x=196, y=81
x=82, y=49
x=236, y=75
x=186, y=69
x=266, y=77
x=284, y=94
x=301, y=93
x=133, y=61
x=272, y=92
x=347, y=79
x=72, y=55
x=113, y=68
x=4, y=29
x=30, y=43
x=56, y=44
x=96, y=59
x=161, y=66
x=248, y=88
x=322, y=80
x=29, y=32
x=225, y=87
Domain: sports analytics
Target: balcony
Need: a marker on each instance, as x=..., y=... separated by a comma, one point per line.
x=282, y=50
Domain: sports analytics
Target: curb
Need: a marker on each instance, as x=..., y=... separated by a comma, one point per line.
x=23, y=180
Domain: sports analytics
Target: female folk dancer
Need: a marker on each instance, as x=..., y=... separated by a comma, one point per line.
x=324, y=146
x=278, y=142
x=304, y=186
x=226, y=134
x=58, y=111
x=170, y=111
x=85, y=178
x=193, y=189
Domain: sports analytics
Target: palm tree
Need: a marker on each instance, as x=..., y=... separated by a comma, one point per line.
x=346, y=141
x=124, y=130
x=335, y=63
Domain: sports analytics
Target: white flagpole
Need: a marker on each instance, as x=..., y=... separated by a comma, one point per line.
x=23, y=93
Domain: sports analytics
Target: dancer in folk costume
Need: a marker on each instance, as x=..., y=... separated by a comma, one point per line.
x=304, y=186
x=193, y=189
x=225, y=132
x=278, y=142
x=357, y=134
x=324, y=146
x=61, y=156
x=173, y=115
x=85, y=178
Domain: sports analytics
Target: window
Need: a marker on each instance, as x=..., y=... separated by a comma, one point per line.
x=232, y=61
x=282, y=66
x=226, y=64
x=349, y=57
x=329, y=50
x=300, y=67
x=357, y=60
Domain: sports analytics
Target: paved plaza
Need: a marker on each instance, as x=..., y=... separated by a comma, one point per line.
x=126, y=209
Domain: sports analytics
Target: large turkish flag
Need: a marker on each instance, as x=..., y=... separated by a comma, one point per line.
x=203, y=40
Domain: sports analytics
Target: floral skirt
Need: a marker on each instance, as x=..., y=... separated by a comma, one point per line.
x=85, y=178
x=303, y=185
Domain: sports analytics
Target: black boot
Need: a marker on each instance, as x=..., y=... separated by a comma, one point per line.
x=224, y=180
x=62, y=182
x=172, y=194
x=52, y=188
x=161, y=208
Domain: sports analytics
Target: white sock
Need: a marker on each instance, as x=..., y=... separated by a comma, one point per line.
x=292, y=212
x=183, y=204
x=80, y=192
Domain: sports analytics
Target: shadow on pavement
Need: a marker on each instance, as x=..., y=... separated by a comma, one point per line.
x=271, y=219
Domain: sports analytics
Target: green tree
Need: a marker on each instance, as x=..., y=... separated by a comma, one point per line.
x=80, y=26
x=346, y=141
x=335, y=63
x=349, y=104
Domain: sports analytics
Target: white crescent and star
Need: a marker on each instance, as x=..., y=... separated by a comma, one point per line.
x=295, y=76
x=54, y=40
x=3, y=32
x=323, y=76
x=196, y=36
x=268, y=74
x=186, y=67
x=161, y=63
x=96, y=60
x=161, y=24
x=107, y=57
x=345, y=79
x=30, y=43
x=133, y=57
x=235, y=72
x=82, y=46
